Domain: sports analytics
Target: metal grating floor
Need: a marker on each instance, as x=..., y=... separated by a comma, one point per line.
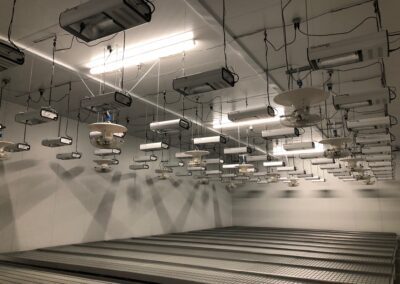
x=225, y=255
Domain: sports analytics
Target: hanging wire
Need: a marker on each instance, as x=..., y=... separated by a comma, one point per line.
x=53, y=69
x=68, y=109
x=267, y=65
x=123, y=64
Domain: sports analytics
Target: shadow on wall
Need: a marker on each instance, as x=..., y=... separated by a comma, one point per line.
x=377, y=193
x=325, y=193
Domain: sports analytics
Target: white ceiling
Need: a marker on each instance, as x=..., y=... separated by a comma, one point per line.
x=36, y=20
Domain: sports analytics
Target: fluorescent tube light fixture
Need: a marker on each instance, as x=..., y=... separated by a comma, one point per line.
x=252, y=113
x=107, y=102
x=369, y=123
x=376, y=150
x=204, y=82
x=322, y=161
x=215, y=161
x=10, y=56
x=34, y=117
x=96, y=19
x=107, y=152
x=144, y=159
x=299, y=146
x=348, y=51
x=69, y=156
x=170, y=126
x=280, y=133
x=237, y=150
x=274, y=164
x=135, y=55
x=375, y=97
x=286, y=169
x=57, y=142
x=210, y=140
x=230, y=166
x=156, y=146
x=137, y=167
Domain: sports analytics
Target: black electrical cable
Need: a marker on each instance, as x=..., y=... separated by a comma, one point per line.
x=97, y=43
x=393, y=50
x=285, y=38
x=282, y=46
x=52, y=69
x=123, y=65
x=267, y=64
x=11, y=24
x=339, y=33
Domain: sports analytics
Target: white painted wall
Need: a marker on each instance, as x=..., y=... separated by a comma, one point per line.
x=335, y=205
x=47, y=202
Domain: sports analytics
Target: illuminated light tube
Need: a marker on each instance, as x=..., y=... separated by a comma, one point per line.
x=380, y=164
x=299, y=146
x=322, y=161
x=258, y=158
x=213, y=173
x=376, y=150
x=274, y=164
x=286, y=169
x=196, y=169
x=136, y=55
x=107, y=152
x=371, y=139
x=228, y=175
x=371, y=158
x=330, y=166
x=209, y=140
x=153, y=146
x=280, y=133
x=139, y=167
x=213, y=161
x=57, y=142
x=144, y=159
x=69, y=156
x=230, y=166
x=255, y=122
x=182, y=155
x=237, y=150
x=298, y=172
x=369, y=123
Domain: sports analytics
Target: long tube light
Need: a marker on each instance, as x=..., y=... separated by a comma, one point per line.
x=274, y=164
x=135, y=55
